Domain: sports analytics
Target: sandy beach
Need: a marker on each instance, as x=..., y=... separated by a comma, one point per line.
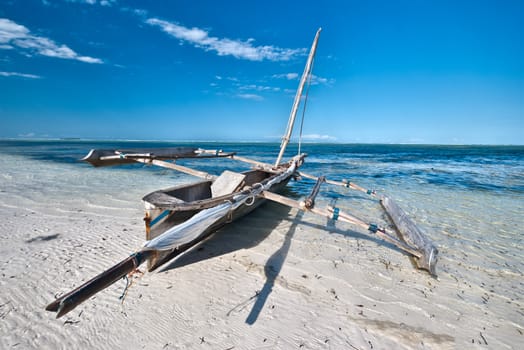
x=276, y=279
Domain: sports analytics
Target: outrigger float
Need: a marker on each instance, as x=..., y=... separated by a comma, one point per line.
x=179, y=218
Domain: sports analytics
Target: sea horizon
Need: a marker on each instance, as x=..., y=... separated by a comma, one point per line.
x=255, y=141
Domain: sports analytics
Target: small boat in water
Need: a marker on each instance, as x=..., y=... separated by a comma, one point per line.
x=179, y=218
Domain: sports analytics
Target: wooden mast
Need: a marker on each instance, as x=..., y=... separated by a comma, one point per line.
x=296, y=103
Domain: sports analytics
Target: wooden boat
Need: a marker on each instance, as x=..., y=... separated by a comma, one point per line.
x=179, y=218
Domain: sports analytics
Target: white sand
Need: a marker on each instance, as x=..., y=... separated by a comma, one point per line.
x=317, y=289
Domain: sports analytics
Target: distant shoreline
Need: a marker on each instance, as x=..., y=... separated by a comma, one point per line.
x=78, y=139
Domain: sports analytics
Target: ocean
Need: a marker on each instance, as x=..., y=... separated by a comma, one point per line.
x=469, y=200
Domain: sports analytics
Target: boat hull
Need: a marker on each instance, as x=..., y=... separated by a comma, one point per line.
x=159, y=258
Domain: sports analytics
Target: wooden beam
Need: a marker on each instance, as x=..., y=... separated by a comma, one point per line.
x=298, y=96
x=342, y=216
x=260, y=165
x=379, y=231
x=177, y=167
x=408, y=231
x=69, y=301
x=344, y=183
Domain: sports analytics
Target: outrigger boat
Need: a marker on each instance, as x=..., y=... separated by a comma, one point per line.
x=179, y=218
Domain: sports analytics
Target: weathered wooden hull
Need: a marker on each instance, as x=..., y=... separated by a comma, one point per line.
x=178, y=216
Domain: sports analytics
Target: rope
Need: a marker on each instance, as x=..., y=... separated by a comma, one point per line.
x=124, y=293
x=305, y=104
x=130, y=278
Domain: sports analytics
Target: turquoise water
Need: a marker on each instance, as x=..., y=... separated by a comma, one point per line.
x=494, y=169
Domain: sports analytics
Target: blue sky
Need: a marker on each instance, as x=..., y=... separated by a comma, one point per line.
x=446, y=72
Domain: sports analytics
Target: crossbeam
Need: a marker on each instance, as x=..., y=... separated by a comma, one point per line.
x=335, y=213
x=180, y=168
x=258, y=165
x=345, y=183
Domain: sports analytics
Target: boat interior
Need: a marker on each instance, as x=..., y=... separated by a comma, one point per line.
x=226, y=184
x=167, y=207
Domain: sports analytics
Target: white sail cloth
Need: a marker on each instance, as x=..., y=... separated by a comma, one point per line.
x=192, y=228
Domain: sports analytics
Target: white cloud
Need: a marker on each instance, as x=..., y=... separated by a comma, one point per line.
x=138, y=12
x=255, y=87
x=95, y=2
x=288, y=76
x=315, y=80
x=13, y=35
x=223, y=46
x=317, y=137
x=22, y=75
x=253, y=97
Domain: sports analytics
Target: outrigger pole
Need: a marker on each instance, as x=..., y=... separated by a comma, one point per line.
x=296, y=103
x=424, y=252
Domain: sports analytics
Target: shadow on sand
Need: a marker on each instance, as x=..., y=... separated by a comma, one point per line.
x=272, y=270
x=234, y=236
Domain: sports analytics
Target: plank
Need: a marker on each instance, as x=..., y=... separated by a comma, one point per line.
x=226, y=183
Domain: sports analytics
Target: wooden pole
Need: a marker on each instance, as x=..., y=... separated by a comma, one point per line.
x=180, y=168
x=342, y=216
x=408, y=231
x=69, y=301
x=296, y=102
x=346, y=184
x=310, y=200
x=261, y=165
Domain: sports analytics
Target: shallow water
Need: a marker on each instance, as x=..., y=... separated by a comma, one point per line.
x=469, y=200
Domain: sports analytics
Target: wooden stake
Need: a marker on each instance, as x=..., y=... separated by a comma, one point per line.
x=310, y=200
